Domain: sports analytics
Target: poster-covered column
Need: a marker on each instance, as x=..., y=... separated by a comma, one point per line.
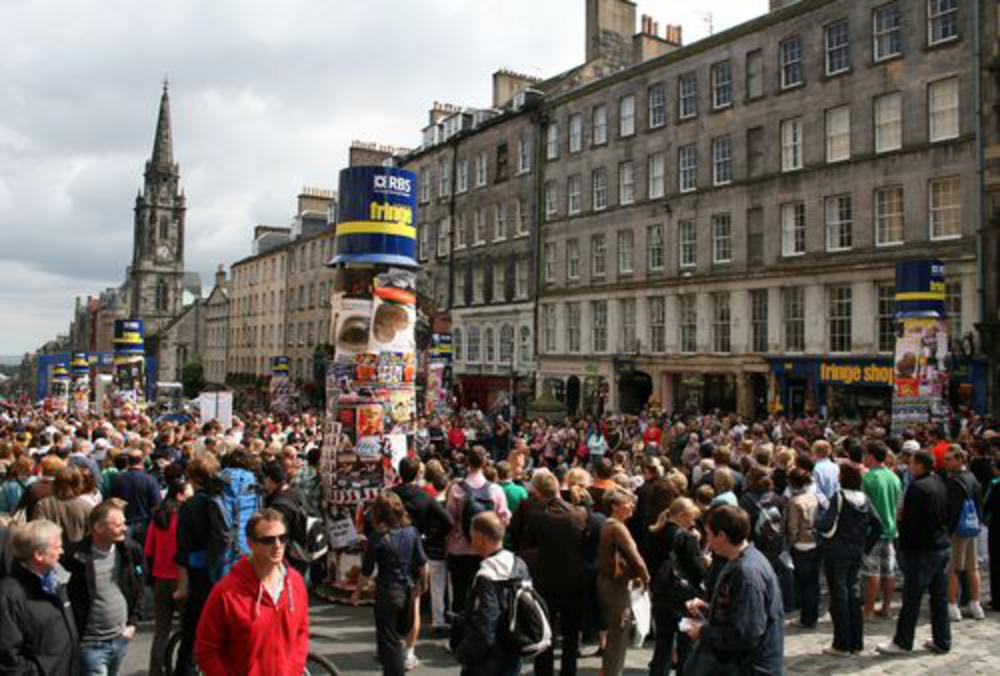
x=370, y=381
x=59, y=387
x=129, y=367
x=920, y=370
x=281, y=387
x=80, y=386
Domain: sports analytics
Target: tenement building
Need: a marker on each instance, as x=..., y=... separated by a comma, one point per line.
x=722, y=221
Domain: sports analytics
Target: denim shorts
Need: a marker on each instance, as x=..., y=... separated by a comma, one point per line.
x=880, y=561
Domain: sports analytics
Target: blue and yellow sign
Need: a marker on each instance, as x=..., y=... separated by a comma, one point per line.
x=279, y=366
x=920, y=289
x=80, y=365
x=129, y=337
x=377, y=217
x=60, y=373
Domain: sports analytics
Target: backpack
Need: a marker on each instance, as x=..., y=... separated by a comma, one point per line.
x=768, y=530
x=670, y=587
x=527, y=630
x=968, y=519
x=238, y=502
x=315, y=542
x=477, y=500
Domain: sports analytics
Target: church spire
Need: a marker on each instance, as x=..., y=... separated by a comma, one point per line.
x=163, y=144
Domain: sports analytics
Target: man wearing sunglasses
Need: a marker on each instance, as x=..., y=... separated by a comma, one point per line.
x=256, y=620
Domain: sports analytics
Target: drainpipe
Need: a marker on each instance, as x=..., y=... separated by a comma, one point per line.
x=978, y=210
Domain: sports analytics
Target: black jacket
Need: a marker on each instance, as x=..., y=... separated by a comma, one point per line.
x=923, y=522
x=551, y=538
x=37, y=631
x=429, y=516
x=850, y=526
x=6, y=558
x=206, y=535
x=130, y=567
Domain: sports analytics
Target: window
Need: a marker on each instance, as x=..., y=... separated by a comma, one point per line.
x=838, y=134
x=886, y=318
x=626, y=116
x=524, y=344
x=549, y=324
x=889, y=216
x=838, y=54
x=626, y=247
x=480, y=170
x=839, y=222
x=654, y=247
x=722, y=238
x=444, y=184
x=599, y=185
x=523, y=155
x=572, y=259
x=473, y=349
x=942, y=104
x=942, y=21
x=461, y=176
x=945, y=208
x=791, y=144
x=755, y=74
x=520, y=279
x=523, y=216
x=551, y=200
x=573, y=197
x=626, y=183
x=599, y=325
x=501, y=162
x=887, y=36
x=576, y=133
x=425, y=187
x=657, y=105
x=572, y=327
x=443, y=235
x=460, y=235
x=656, y=177
x=480, y=226
x=793, y=300
x=722, y=85
x=506, y=344
x=839, y=318
x=791, y=62
x=424, y=241
x=888, y=122
x=953, y=308
x=499, y=282
x=478, y=284
x=552, y=141
x=627, y=308
x=457, y=345
x=460, y=286
x=758, y=320
x=598, y=255
x=687, y=96
x=599, y=125
x=687, y=239
x=499, y=223
x=722, y=160
x=657, y=324
x=793, y=229
x=688, y=325
x=720, y=322
x=687, y=167
x=550, y=262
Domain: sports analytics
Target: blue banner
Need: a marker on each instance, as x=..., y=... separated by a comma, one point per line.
x=129, y=337
x=920, y=289
x=377, y=217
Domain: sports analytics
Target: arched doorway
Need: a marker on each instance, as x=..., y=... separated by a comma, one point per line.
x=572, y=395
x=634, y=391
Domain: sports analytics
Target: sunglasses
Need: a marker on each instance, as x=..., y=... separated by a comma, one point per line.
x=271, y=540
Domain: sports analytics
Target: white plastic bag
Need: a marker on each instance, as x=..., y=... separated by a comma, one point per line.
x=642, y=614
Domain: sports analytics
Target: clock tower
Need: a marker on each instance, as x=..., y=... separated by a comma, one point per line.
x=156, y=277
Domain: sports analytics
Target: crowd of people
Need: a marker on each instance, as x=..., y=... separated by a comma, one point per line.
x=724, y=530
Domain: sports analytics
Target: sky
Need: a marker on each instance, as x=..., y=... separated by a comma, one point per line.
x=266, y=98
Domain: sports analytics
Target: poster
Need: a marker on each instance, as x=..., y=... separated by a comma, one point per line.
x=920, y=371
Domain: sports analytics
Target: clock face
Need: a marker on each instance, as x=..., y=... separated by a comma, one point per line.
x=164, y=253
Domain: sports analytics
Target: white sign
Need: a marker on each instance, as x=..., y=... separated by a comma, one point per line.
x=216, y=406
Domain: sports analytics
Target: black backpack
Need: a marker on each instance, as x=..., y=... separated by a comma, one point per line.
x=769, y=528
x=670, y=585
x=477, y=500
x=526, y=627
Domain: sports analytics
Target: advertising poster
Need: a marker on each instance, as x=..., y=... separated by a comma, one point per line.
x=920, y=371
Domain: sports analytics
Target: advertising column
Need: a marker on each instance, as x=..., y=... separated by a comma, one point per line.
x=59, y=388
x=920, y=366
x=129, y=367
x=371, y=398
x=281, y=387
x=80, y=387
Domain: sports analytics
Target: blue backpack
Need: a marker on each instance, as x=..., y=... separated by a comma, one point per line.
x=968, y=519
x=238, y=502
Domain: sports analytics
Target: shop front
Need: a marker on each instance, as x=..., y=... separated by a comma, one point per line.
x=585, y=388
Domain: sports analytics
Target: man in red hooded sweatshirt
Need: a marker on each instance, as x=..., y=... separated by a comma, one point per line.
x=256, y=620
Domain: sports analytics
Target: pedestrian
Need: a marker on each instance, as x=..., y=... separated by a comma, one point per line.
x=18, y=478
x=925, y=549
x=279, y=495
x=141, y=493
x=619, y=564
x=800, y=517
x=37, y=630
x=825, y=472
x=883, y=488
x=402, y=577
x=256, y=619
x=991, y=514
x=849, y=527
x=480, y=647
x=965, y=497
x=741, y=629
x=66, y=507
x=106, y=589
x=160, y=550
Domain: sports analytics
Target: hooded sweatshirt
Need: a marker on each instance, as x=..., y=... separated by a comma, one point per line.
x=243, y=632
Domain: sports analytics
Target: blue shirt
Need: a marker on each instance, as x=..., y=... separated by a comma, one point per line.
x=826, y=477
x=398, y=555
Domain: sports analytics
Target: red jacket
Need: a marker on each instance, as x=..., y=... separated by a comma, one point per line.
x=161, y=547
x=243, y=633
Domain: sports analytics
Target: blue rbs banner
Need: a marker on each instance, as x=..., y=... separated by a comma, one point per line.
x=129, y=337
x=377, y=217
x=920, y=289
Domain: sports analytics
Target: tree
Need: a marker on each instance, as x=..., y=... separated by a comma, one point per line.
x=193, y=377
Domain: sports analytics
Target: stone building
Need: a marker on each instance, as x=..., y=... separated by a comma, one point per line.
x=988, y=19
x=215, y=327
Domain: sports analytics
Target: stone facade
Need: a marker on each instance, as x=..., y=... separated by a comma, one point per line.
x=215, y=344
x=181, y=342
